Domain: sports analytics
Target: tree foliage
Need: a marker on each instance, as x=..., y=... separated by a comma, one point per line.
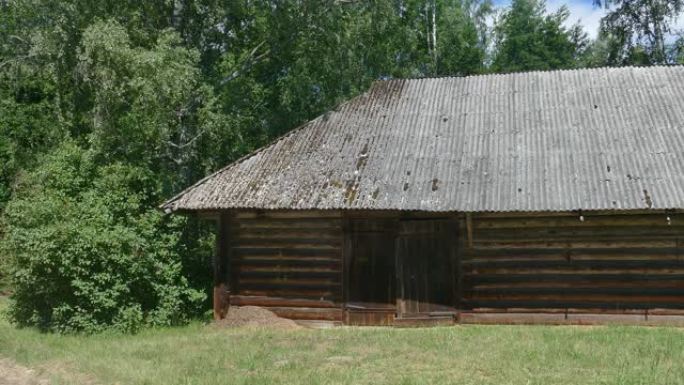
x=108, y=108
x=636, y=30
x=90, y=251
x=529, y=38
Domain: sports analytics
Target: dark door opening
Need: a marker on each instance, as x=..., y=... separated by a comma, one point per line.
x=370, y=264
x=425, y=279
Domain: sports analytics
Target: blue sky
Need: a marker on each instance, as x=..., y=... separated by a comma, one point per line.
x=583, y=10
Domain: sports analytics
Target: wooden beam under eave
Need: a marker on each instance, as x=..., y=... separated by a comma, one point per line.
x=469, y=229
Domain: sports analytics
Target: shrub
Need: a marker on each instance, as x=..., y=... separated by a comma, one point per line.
x=89, y=251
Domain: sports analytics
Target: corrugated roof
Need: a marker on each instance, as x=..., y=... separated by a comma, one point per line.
x=592, y=139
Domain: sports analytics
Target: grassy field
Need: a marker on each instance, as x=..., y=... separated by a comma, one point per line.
x=201, y=354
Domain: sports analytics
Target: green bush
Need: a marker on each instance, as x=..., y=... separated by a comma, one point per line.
x=88, y=250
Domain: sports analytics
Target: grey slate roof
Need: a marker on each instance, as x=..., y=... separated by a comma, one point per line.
x=594, y=139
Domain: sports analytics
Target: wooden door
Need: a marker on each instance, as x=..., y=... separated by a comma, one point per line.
x=425, y=275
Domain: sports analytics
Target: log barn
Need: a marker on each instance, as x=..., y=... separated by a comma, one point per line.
x=540, y=197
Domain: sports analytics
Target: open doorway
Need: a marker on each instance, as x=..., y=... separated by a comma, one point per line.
x=424, y=265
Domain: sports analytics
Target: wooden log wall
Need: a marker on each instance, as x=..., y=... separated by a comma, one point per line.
x=510, y=268
x=288, y=262
x=568, y=264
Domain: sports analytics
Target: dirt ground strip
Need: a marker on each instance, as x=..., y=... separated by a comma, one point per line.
x=255, y=316
x=12, y=373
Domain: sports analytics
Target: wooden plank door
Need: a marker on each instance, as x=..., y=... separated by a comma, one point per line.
x=425, y=279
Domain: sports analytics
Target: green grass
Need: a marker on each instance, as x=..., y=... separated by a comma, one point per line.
x=200, y=354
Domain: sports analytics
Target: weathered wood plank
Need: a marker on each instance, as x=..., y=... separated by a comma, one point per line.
x=289, y=262
x=296, y=276
x=596, y=290
x=566, y=263
x=303, y=313
x=568, y=252
x=293, y=250
x=638, y=277
x=287, y=214
x=266, y=301
x=511, y=318
x=583, y=303
x=589, y=221
x=589, y=284
x=369, y=318
x=307, y=293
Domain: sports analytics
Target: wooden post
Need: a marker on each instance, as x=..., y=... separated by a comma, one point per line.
x=455, y=232
x=347, y=249
x=399, y=273
x=221, y=295
x=469, y=229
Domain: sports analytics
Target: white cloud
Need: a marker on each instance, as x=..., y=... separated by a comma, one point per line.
x=583, y=11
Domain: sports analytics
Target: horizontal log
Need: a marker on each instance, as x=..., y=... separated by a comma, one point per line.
x=330, y=292
x=665, y=311
x=602, y=319
x=309, y=223
x=294, y=283
x=511, y=318
x=573, y=257
x=579, y=284
x=423, y=321
x=275, y=255
x=287, y=251
x=596, y=290
x=575, y=243
x=277, y=268
x=369, y=318
x=286, y=239
x=599, y=276
x=574, y=214
x=286, y=230
x=570, y=319
x=608, y=298
x=574, y=270
x=370, y=306
x=288, y=214
x=373, y=227
x=487, y=265
x=587, y=232
x=665, y=320
x=400, y=214
x=589, y=221
x=265, y=301
x=294, y=243
x=287, y=264
x=629, y=240
x=290, y=275
x=567, y=251
x=581, y=304
x=334, y=294
x=560, y=310
x=656, y=256
x=260, y=233
x=302, y=313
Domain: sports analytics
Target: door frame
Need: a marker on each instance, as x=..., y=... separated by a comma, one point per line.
x=450, y=235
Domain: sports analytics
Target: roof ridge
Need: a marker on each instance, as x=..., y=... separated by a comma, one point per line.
x=491, y=74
